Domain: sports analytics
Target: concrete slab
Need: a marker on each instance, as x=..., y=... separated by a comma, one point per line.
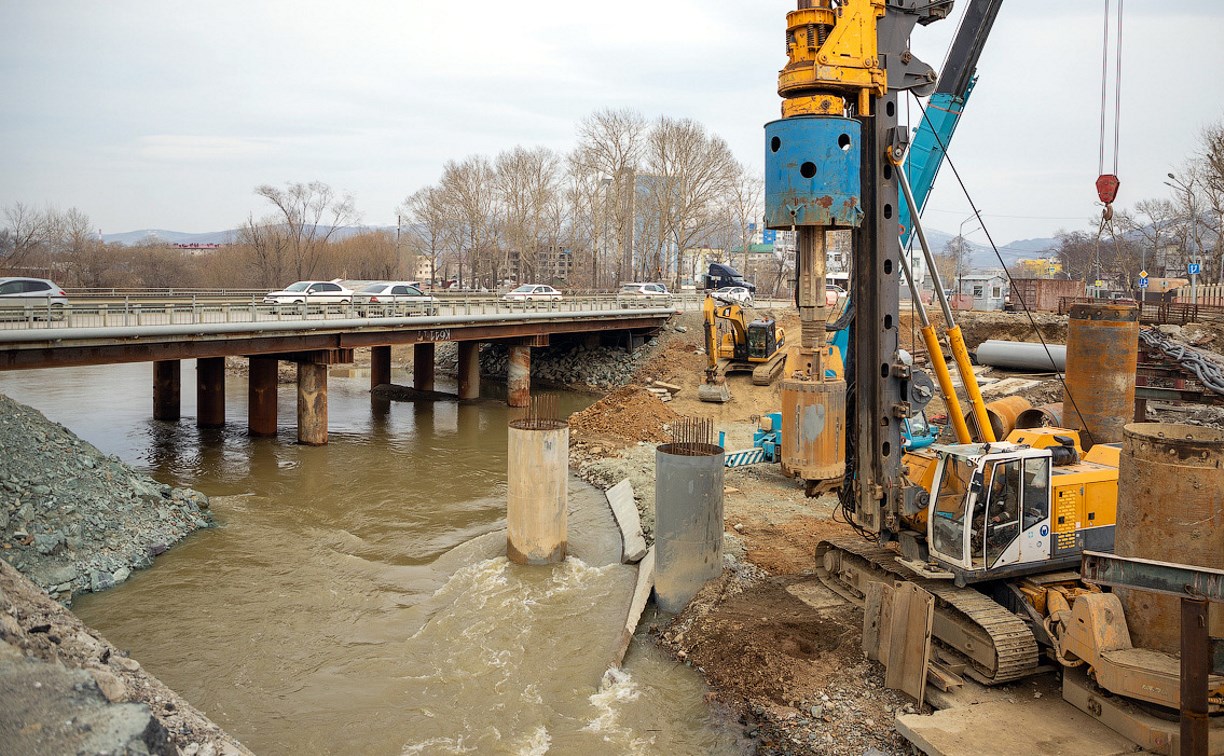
x=1012, y=721
x=624, y=509
x=641, y=595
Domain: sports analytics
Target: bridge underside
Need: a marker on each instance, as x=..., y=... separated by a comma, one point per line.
x=56, y=353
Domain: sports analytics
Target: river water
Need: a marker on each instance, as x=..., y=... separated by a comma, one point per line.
x=354, y=598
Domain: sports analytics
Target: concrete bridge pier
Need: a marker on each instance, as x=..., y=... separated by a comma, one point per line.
x=167, y=379
x=261, y=395
x=312, y=403
x=312, y=392
x=210, y=392
x=518, y=371
x=469, y=369
x=380, y=366
x=423, y=366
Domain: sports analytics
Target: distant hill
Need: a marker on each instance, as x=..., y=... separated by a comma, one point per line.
x=148, y=235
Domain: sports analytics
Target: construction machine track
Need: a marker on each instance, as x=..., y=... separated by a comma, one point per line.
x=765, y=373
x=997, y=645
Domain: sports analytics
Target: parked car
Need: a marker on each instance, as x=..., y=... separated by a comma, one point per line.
x=393, y=297
x=833, y=292
x=322, y=292
x=643, y=291
x=532, y=293
x=734, y=295
x=31, y=297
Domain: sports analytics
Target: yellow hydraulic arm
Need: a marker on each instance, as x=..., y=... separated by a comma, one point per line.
x=956, y=340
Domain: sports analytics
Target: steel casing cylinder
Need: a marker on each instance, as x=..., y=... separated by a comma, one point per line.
x=812, y=172
x=688, y=521
x=1045, y=416
x=814, y=429
x=1004, y=415
x=1170, y=509
x=537, y=500
x=1102, y=353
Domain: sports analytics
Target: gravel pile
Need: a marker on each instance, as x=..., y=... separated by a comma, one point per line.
x=566, y=364
x=74, y=520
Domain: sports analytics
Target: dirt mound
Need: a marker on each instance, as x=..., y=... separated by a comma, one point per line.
x=625, y=416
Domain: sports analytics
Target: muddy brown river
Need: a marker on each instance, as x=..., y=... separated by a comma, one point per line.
x=354, y=598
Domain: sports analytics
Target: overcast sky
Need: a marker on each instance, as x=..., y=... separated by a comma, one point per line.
x=166, y=114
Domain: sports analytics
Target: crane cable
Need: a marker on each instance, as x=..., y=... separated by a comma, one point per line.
x=1107, y=183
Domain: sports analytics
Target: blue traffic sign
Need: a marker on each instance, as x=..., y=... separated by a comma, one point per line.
x=769, y=236
x=1194, y=269
x=1143, y=283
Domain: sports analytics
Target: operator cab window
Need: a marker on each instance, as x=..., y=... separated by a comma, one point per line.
x=1036, y=491
x=948, y=518
x=1000, y=517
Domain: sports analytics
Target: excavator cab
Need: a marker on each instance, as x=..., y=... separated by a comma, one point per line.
x=762, y=340
x=991, y=510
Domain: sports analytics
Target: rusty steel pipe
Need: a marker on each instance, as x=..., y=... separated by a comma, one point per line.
x=1045, y=416
x=1003, y=415
x=210, y=392
x=1102, y=354
x=423, y=366
x=518, y=376
x=312, y=404
x=1170, y=496
x=167, y=380
x=261, y=396
x=380, y=365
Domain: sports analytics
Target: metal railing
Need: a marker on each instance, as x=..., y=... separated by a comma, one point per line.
x=129, y=313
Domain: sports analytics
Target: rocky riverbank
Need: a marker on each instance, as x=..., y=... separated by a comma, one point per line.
x=75, y=520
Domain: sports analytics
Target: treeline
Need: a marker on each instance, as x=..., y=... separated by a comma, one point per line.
x=1160, y=234
x=634, y=200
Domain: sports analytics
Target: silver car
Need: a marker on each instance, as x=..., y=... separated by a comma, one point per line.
x=393, y=298
x=532, y=293
x=23, y=298
x=322, y=292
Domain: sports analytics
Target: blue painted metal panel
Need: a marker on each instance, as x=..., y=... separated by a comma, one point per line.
x=926, y=153
x=812, y=172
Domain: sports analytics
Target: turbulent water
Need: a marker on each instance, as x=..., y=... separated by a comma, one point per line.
x=355, y=598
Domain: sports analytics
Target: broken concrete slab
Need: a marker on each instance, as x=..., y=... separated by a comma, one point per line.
x=641, y=595
x=624, y=509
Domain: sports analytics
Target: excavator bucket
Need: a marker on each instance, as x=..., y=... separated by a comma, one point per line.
x=714, y=392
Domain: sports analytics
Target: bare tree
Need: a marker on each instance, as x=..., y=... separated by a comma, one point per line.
x=1211, y=160
x=312, y=213
x=610, y=146
x=746, y=191
x=432, y=230
x=953, y=261
x=25, y=233
x=468, y=189
x=1079, y=254
x=1153, y=222
x=270, y=246
x=527, y=182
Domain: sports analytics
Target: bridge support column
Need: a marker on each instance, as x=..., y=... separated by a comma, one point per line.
x=380, y=366
x=469, y=369
x=423, y=366
x=261, y=396
x=167, y=378
x=312, y=403
x=210, y=392
x=518, y=376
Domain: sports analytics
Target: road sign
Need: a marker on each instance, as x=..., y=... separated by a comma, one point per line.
x=1143, y=282
x=1143, y=274
x=1099, y=283
x=769, y=236
x=1194, y=269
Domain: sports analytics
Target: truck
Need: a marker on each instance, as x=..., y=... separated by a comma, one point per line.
x=719, y=275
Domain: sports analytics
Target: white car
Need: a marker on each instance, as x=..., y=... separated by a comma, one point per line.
x=643, y=291
x=532, y=293
x=733, y=295
x=36, y=297
x=321, y=292
x=393, y=298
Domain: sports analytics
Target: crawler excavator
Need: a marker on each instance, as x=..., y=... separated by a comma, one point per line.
x=993, y=529
x=734, y=345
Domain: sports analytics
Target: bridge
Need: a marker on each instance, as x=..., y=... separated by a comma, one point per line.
x=313, y=336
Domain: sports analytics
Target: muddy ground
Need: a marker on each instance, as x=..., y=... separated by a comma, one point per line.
x=775, y=644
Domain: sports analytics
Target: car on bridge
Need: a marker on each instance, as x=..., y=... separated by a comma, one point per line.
x=24, y=298
x=393, y=298
x=643, y=292
x=532, y=293
x=739, y=295
x=320, y=292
